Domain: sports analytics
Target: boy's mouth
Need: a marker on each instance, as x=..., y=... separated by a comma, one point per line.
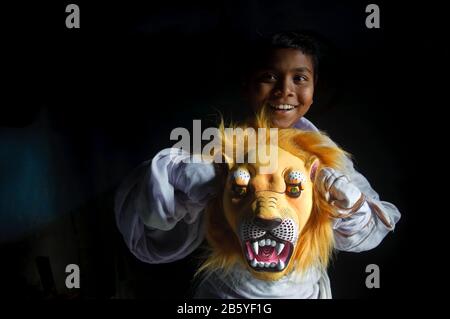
x=282, y=107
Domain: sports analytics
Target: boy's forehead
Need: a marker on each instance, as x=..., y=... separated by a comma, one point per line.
x=287, y=58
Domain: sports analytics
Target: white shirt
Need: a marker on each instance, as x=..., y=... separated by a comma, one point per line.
x=161, y=223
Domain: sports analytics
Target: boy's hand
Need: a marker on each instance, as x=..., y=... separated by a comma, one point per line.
x=339, y=191
x=196, y=180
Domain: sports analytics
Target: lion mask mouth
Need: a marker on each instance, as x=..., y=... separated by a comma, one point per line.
x=268, y=250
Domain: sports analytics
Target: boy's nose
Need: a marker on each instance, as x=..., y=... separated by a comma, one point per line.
x=284, y=89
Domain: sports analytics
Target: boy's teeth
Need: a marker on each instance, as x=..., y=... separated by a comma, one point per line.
x=283, y=107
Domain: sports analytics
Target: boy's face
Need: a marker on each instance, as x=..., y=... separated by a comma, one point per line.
x=286, y=84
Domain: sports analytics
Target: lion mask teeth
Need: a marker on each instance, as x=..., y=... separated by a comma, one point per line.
x=268, y=254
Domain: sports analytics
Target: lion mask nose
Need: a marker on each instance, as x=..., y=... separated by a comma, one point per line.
x=267, y=224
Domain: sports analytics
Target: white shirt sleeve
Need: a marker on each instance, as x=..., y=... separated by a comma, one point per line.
x=367, y=227
x=159, y=211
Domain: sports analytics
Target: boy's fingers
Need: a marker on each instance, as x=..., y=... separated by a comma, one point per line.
x=327, y=177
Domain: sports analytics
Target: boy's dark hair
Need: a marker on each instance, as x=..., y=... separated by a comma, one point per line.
x=305, y=41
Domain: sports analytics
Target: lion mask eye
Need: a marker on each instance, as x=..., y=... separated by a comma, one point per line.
x=294, y=181
x=241, y=178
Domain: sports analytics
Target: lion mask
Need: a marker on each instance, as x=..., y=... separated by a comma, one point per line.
x=274, y=223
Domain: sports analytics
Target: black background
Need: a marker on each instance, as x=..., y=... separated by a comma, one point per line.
x=94, y=102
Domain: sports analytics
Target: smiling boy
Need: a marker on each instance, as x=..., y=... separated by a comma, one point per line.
x=159, y=207
x=285, y=84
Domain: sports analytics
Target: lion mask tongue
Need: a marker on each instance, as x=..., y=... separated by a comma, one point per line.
x=267, y=254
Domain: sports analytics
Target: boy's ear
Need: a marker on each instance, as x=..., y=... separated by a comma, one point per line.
x=244, y=92
x=313, y=169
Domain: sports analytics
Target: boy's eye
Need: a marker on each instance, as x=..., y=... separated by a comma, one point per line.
x=300, y=78
x=294, y=190
x=239, y=191
x=268, y=77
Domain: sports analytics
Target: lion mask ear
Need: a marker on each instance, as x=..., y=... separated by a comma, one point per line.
x=313, y=169
x=223, y=158
x=223, y=164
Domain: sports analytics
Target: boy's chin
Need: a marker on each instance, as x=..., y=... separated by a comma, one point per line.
x=284, y=120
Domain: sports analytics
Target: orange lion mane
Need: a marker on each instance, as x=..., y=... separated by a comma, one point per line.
x=315, y=243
